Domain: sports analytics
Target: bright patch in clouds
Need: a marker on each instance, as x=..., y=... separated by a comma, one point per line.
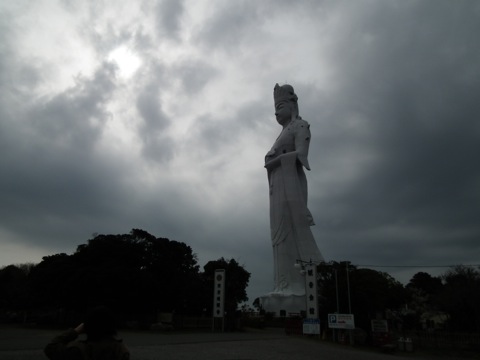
x=127, y=62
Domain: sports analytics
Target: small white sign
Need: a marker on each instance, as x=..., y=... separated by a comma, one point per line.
x=341, y=321
x=311, y=326
x=380, y=326
x=219, y=294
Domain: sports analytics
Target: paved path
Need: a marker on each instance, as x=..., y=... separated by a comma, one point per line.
x=271, y=344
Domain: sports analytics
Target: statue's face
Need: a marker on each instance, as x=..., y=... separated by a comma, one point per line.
x=283, y=112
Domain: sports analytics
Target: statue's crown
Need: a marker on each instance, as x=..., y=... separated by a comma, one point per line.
x=284, y=93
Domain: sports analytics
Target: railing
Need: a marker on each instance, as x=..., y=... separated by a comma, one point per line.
x=446, y=340
x=193, y=323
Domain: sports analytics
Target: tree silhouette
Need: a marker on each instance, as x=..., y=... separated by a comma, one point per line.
x=427, y=283
x=48, y=280
x=366, y=291
x=135, y=274
x=13, y=288
x=460, y=297
x=235, y=284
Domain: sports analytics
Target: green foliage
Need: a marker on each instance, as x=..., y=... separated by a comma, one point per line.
x=47, y=281
x=427, y=283
x=423, y=292
x=135, y=274
x=139, y=275
x=460, y=297
x=13, y=287
x=371, y=292
x=456, y=293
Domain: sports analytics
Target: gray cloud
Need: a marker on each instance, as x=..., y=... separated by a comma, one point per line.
x=168, y=16
x=53, y=172
x=404, y=101
x=156, y=143
x=230, y=26
x=194, y=75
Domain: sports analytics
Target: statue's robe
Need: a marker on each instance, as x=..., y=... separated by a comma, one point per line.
x=290, y=219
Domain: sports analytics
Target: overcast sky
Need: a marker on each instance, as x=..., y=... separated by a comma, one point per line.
x=158, y=114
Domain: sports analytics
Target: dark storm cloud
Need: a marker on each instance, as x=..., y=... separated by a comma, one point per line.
x=156, y=144
x=149, y=106
x=214, y=135
x=53, y=173
x=194, y=75
x=229, y=26
x=75, y=118
x=406, y=94
x=168, y=17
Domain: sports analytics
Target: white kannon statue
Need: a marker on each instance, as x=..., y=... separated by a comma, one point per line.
x=290, y=219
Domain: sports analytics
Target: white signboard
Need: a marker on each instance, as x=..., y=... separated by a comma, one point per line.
x=341, y=321
x=311, y=326
x=380, y=326
x=311, y=291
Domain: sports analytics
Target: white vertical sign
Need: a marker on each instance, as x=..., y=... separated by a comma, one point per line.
x=311, y=292
x=219, y=294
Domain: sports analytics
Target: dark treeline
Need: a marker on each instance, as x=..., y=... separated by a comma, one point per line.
x=139, y=276
x=135, y=274
x=449, y=302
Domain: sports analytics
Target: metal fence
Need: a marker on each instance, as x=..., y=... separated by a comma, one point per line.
x=446, y=340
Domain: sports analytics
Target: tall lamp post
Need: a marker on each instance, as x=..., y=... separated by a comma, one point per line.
x=309, y=267
x=348, y=287
x=350, y=332
x=336, y=289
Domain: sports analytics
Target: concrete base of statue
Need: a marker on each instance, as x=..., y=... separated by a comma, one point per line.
x=283, y=304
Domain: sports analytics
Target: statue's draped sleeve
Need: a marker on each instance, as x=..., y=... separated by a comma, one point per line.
x=302, y=142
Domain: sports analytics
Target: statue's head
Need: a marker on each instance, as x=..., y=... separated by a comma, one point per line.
x=286, y=103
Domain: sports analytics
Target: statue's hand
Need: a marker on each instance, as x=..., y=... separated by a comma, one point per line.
x=272, y=163
x=277, y=161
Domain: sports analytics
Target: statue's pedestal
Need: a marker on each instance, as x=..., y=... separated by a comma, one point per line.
x=283, y=304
